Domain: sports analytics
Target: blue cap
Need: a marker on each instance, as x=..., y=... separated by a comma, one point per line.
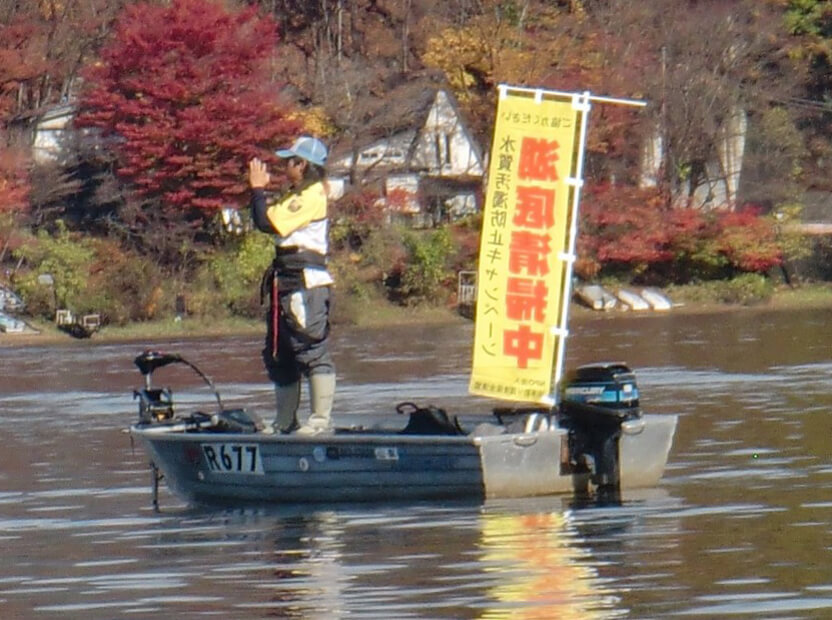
x=308, y=148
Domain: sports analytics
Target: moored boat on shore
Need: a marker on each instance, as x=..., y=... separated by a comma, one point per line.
x=595, y=296
x=657, y=300
x=632, y=300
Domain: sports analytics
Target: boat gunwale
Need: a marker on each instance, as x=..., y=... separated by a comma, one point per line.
x=343, y=435
x=346, y=436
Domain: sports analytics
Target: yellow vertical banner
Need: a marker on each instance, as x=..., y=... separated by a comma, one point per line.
x=524, y=243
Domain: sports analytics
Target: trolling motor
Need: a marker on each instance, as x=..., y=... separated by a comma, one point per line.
x=599, y=402
x=156, y=404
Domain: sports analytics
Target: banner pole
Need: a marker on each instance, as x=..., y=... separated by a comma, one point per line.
x=505, y=88
x=580, y=102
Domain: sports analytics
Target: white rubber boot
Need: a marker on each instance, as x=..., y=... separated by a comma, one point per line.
x=288, y=397
x=321, y=396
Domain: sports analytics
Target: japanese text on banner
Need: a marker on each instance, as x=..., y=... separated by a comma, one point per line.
x=524, y=236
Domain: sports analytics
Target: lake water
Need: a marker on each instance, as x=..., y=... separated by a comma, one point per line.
x=740, y=526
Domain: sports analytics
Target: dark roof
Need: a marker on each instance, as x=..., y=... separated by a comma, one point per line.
x=402, y=106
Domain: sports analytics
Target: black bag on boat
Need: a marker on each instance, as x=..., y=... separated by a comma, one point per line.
x=234, y=421
x=430, y=420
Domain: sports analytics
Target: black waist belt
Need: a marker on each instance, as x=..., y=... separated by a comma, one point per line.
x=289, y=264
x=293, y=259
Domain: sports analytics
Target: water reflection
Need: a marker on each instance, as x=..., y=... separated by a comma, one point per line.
x=739, y=526
x=493, y=561
x=542, y=572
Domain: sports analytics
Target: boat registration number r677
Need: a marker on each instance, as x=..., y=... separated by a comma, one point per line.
x=233, y=458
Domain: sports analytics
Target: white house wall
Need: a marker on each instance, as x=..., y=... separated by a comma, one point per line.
x=712, y=191
x=408, y=183
x=720, y=185
x=651, y=160
x=335, y=187
x=50, y=134
x=443, y=128
x=731, y=150
x=462, y=204
x=389, y=152
x=441, y=148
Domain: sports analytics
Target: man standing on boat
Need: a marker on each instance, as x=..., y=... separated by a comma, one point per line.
x=298, y=285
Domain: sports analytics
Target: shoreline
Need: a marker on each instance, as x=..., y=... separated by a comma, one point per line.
x=804, y=298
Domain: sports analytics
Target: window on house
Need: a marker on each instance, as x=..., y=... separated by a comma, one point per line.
x=370, y=156
x=443, y=149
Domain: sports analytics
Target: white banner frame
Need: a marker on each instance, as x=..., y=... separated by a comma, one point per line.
x=581, y=102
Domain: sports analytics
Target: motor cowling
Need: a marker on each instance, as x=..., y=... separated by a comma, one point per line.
x=596, y=400
x=610, y=386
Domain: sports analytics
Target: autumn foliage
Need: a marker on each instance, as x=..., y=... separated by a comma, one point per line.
x=14, y=183
x=177, y=95
x=627, y=230
x=748, y=241
x=14, y=189
x=355, y=216
x=183, y=93
x=21, y=59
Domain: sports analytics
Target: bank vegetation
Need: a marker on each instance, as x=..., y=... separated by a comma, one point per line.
x=174, y=97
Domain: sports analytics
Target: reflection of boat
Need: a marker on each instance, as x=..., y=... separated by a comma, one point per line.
x=595, y=296
x=524, y=452
x=632, y=300
x=656, y=299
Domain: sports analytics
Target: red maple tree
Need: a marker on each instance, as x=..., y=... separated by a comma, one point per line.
x=14, y=189
x=21, y=59
x=183, y=94
x=749, y=241
x=627, y=229
x=14, y=182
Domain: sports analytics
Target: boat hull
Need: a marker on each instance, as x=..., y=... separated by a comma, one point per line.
x=596, y=297
x=211, y=467
x=632, y=300
x=656, y=299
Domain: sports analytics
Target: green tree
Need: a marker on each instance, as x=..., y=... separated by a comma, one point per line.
x=230, y=279
x=425, y=271
x=65, y=257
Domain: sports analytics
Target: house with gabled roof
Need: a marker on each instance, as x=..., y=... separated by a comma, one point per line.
x=424, y=160
x=414, y=147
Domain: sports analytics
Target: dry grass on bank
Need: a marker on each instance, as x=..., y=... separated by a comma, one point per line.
x=373, y=315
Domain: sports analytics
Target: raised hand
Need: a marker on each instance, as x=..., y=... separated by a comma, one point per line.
x=258, y=177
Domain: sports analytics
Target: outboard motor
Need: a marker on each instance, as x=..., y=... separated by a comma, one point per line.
x=597, y=399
